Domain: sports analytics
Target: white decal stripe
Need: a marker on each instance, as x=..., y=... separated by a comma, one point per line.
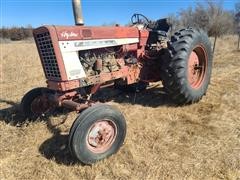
x=78, y=45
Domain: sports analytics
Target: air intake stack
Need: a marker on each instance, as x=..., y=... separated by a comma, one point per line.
x=77, y=12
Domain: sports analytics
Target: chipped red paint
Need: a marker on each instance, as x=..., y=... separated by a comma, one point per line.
x=83, y=32
x=130, y=72
x=197, y=67
x=101, y=136
x=143, y=36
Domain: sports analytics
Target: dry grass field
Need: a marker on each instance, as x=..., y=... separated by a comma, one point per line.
x=199, y=141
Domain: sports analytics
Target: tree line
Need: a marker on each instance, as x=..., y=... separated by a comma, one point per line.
x=16, y=33
x=211, y=17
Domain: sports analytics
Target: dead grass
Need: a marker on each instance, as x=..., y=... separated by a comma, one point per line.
x=200, y=141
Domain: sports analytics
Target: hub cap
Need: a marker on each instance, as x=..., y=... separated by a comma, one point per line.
x=197, y=66
x=40, y=106
x=101, y=136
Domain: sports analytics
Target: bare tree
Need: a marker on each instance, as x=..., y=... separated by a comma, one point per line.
x=237, y=21
x=186, y=17
x=220, y=21
x=198, y=17
x=211, y=17
x=175, y=23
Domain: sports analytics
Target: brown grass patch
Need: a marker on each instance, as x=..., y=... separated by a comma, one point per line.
x=163, y=142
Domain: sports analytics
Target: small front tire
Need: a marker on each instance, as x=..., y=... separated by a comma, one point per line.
x=35, y=104
x=97, y=133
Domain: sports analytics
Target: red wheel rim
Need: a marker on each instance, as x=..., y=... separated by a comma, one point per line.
x=101, y=136
x=197, y=67
x=40, y=105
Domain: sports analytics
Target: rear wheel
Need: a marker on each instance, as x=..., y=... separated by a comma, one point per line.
x=97, y=133
x=187, y=70
x=35, y=103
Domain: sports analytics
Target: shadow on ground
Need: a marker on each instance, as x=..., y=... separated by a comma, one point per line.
x=12, y=114
x=56, y=147
x=152, y=97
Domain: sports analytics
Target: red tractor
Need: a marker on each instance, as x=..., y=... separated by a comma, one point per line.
x=79, y=60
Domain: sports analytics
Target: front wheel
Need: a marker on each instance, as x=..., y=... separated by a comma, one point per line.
x=35, y=103
x=97, y=133
x=187, y=71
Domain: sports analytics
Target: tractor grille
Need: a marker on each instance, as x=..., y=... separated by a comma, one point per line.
x=47, y=53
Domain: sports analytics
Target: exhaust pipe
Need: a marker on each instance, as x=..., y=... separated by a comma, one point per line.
x=77, y=12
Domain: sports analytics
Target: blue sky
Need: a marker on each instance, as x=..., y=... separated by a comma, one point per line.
x=95, y=12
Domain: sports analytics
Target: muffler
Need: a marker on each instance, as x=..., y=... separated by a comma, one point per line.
x=77, y=12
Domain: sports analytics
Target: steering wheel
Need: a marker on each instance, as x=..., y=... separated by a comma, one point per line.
x=139, y=19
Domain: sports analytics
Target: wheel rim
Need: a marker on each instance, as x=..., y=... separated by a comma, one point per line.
x=197, y=67
x=40, y=106
x=101, y=136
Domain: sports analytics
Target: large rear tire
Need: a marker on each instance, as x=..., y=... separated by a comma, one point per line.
x=97, y=133
x=187, y=70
